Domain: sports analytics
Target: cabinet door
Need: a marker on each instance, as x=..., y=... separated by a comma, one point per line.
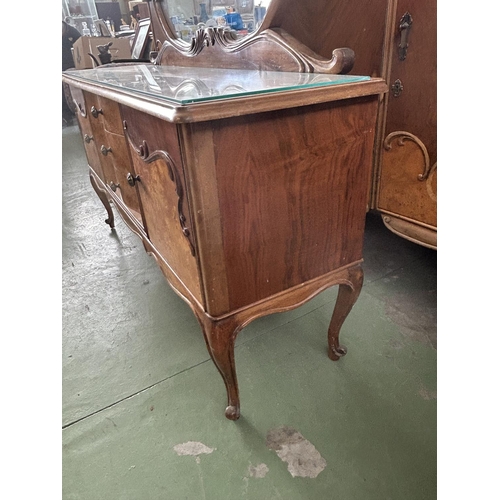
x=155, y=151
x=407, y=181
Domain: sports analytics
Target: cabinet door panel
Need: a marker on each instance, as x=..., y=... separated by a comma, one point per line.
x=157, y=161
x=407, y=182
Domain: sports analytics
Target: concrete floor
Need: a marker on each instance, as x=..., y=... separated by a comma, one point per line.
x=143, y=405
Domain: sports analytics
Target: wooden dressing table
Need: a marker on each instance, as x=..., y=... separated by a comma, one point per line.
x=248, y=186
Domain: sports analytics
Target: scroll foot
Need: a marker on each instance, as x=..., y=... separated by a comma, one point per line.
x=349, y=291
x=104, y=199
x=233, y=412
x=336, y=353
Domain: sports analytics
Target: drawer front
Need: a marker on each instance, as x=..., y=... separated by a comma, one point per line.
x=124, y=173
x=101, y=139
x=111, y=116
x=89, y=140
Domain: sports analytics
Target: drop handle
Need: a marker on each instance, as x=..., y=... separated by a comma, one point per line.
x=95, y=112
x=87, y=138
x=404, y=31
x=131, y=179
x=105, y=150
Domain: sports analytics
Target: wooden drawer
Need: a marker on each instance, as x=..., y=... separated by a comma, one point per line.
x=86, y=130
x=124, y=174
x=110, y=115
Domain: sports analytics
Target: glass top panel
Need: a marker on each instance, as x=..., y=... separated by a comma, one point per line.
x=196, y=85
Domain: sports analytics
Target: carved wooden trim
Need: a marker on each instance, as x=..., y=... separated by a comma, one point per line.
x=143, y=152
x=430, y=189
x=403, y=136
x=294, y=55
x=264, y=49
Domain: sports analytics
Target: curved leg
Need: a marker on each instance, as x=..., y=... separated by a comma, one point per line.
x=347, y=296
x=104, y=199
x=220, y=337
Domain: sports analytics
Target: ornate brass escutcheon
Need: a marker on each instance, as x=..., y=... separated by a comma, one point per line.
x=397, y=88
x=404, y=30
x=87, y=138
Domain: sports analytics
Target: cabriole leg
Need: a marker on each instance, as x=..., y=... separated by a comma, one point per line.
x=104, y=199
x=220, y=337
x=349, y=291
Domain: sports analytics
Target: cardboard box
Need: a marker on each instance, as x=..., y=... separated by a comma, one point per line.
x=88, y=44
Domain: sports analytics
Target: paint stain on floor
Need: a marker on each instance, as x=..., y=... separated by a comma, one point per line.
x=292, y=447
x=259, y=471
x=193, y=449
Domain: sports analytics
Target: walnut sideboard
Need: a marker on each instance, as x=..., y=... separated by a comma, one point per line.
x=248, y=187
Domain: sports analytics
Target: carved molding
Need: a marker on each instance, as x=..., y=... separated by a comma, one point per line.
x=299, y=57
x=267, y=49
x=402, y=137
x=143, y=152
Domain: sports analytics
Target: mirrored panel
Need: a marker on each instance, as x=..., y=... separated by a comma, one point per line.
x=241, y=16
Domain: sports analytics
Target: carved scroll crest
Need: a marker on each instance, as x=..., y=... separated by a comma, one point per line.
x=288, y=50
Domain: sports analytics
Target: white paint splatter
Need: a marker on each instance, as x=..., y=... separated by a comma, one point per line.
x=292, y=447
x=427, y=394
x=193, y=448
x=258, y=471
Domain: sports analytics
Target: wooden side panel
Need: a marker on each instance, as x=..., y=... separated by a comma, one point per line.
x=155, y=153
x=292, y=194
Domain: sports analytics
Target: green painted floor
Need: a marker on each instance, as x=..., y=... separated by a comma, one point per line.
x=143, y=405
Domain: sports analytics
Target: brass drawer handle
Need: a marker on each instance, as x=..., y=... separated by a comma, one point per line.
x=105, y=150
x=133, y=179
x=95, y=112
x=87, y=138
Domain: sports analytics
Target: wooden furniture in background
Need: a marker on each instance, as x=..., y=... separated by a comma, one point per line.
x=249, y=188
x=405, y=178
